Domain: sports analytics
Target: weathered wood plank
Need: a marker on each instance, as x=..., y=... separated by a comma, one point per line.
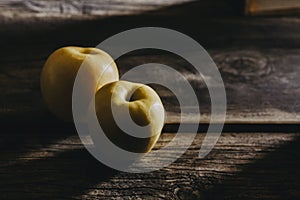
x=67, y=8
x=269, y=47
x=213, y=32
x=248, y=166
x=262, y=86
x=32, y=10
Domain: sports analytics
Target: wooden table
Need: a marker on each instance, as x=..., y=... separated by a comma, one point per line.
x=256, y=157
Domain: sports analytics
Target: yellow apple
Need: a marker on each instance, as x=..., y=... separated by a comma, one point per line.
x=122, y=98
x=60, y=70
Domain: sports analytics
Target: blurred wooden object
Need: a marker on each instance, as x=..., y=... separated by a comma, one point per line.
x=64, y=10
x=272, y=7
x=19, y=9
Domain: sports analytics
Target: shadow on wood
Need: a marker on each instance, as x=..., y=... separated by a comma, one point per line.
x=274, y=176
x=248, y=165
x=65, y=175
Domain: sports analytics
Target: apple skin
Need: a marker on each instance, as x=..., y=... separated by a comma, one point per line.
x=59, y=73
x=145, y=108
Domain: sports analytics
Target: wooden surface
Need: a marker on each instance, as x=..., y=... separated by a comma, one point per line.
x=258, y=59
x=241, y=166
x=57, y=10
x=42, y=158
x=262, y=86
x=66, y=8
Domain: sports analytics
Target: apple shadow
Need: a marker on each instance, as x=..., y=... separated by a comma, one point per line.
x=64, y=176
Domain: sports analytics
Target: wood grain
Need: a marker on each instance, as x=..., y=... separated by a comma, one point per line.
x=248, y=166
x=32, y=10
x=42, y=158
x=262, y=86
x=258, y=60
x=64, y=8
